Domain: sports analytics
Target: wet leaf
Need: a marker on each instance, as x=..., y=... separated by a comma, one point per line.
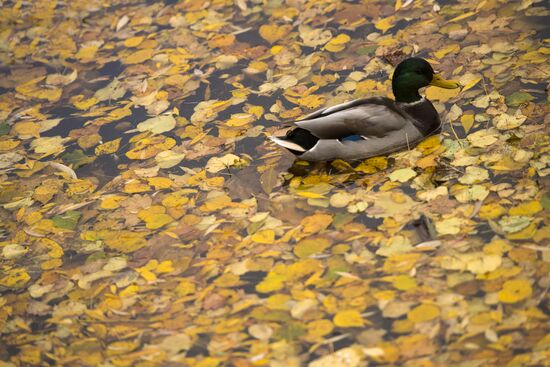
x=67, y=220
x=348, y=318
x=158, y=125
x=424, y=312
x=514, y=291
x=272, y=32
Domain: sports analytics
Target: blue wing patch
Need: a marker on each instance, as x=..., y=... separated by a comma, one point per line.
x=352, y=138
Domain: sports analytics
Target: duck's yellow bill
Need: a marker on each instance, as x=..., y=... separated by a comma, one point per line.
x=438, y=81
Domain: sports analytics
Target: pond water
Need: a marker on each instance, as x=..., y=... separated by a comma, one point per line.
x=147, y=220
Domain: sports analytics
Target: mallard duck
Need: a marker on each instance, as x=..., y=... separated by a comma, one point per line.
x=373, y=126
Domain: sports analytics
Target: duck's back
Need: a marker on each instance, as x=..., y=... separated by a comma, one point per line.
x=369, y=117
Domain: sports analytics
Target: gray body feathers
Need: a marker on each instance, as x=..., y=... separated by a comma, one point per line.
x=383, y=125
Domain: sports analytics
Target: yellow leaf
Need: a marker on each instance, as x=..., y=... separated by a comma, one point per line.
x=266, y=236
x=135, y=187
x=422, y=313
x=185, y=287
x=401, y=263
x=109, y=147
x=124, y=241
x=439, y=94
x=467, y=121
x=165, y=267
x=149, y=147
x=26, y=129
x=29, y=355
x=257, y=67
x=83, y=104
x=111, y=202
x=48, y=145
x=158, y=124
x=316, y=222
x=160, y=183
x=272, y=32
x=47, y=190
x=121, y=347
x=374, y=164
x=312, y=101
x=133, y=41
x=257, y=111
x=337, y=43
x=169, y=158
x=402, y=175
x=221, y=40
x=319, y=328
x=428, y=145
x=32, y=90
x=272, y=282
x=278, y=302
x=51, y=264
x=14, y=278
x=454, y=47
x=311, y=195
x=217, y=164
x=348, y=318
x=449, y=225
x=139, y=56
x=514, y=291
x=470, y=84
x=55, y=250
x=147, y=274
x=6, y=145
x=155, y=217
x=385, y=24
x=87, y=53
x=404, y=282
x=216, y=200
x=175, y=199
x=311, y=246
x=240, y=119
x=341, y=199
x=398, y=5
x=524, y=234
x=313, y=37
x=528, y=208
x=129, y=291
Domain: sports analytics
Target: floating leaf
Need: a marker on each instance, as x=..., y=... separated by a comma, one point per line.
x=311, y=246
x=424, y=312
x=313, y=37
x=402, y=175
x=158, y=125
x=385, y=24
x=348, y=318
x=338, y=43
x=77, y=158
x=272, y=32
x=109, y=147
x=216, y=164
x=169, y=158
x=518, y=98
x=67, y=220
x=14, y=278
x=266, y=236
x=514, y=291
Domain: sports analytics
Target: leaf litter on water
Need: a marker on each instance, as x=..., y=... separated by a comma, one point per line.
x=146, y=220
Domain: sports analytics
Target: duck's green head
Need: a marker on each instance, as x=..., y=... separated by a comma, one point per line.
x=411, y=75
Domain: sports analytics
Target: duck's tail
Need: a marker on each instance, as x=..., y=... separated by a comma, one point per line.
x=297, y=141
